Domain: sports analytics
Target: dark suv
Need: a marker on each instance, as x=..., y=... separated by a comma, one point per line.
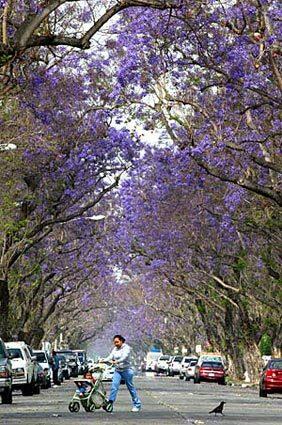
x=71, y=359
x=5, y=375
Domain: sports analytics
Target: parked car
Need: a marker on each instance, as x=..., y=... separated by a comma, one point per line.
x=109, y=373
x=184, y=364
x=189, y=372
x=151, y=360
x=210, y=371
x=6, y=378
x=162, y=363
x=82, y=360
x=36, y=372
x=71, y=359
x=64, y=369
x=271, y=378
x=42, y=359
x=212, y=357
x=90, y=363
x=174, y=366
x=24, y=370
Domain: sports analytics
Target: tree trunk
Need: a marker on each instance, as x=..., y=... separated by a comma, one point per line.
x=4, y=310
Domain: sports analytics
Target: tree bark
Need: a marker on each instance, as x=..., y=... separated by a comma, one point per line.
x=4, y=309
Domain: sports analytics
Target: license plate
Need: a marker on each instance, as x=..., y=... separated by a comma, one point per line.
x=211, y=374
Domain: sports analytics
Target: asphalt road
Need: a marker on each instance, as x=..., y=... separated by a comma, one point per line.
x=166, y=401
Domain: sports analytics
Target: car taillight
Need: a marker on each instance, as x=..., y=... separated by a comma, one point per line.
x=4, y=374
x=270, y=373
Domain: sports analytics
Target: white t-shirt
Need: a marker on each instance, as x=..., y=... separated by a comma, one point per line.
x=121, y=356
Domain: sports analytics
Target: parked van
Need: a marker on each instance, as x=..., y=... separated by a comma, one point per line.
x=24, y=368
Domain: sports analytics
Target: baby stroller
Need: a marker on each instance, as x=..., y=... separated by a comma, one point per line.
x=94, y=395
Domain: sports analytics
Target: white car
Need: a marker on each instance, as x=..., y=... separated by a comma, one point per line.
x=23, y=368
x=42, y=359
x=189, y=372
x=108, y=373
x=174, y=366
x=162, y=363
x=185, y=364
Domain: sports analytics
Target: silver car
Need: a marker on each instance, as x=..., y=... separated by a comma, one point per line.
x=5, y=375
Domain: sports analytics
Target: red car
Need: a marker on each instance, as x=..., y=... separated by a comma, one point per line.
x=271, y=378
x=210, y=371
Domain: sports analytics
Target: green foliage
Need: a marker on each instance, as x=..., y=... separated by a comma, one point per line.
x=5, y=58
x=265, y=345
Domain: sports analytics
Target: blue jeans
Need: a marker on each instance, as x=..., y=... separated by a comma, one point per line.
x=127, y=375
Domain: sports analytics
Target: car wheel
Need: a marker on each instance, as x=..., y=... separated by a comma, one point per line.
x=181, y=377
x=28, y=390
x=36, y=389
x=7, y=397
x=222, y=382
x=186, y=378
x=262, y=392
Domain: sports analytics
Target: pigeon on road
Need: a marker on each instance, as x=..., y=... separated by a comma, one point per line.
x=219, y=408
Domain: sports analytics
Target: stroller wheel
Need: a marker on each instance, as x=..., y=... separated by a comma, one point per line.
x=74, y=406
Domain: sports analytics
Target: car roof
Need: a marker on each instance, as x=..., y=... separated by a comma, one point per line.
x=16, y=344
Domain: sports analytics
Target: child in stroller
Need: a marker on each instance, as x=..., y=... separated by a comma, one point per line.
x=90, y=393
x=84, y=386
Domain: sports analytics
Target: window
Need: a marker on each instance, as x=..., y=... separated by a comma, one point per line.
x=276, y=365
x=40, y=357
x=212, y=364
x=178, y=359
x=15, y=353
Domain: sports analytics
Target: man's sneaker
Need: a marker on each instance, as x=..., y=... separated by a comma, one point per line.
x=135, y=409
x=109, y=407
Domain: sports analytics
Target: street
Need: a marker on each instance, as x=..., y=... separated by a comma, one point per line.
x=166, y=401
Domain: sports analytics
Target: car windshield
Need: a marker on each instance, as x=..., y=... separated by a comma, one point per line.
x=193, y=362
x=67, y=354
x=40, y=357
x=187, y=361
x=178, y=359
x=15, y=353
x=212, y=364
x=164, y=358
x=61, y=357
x=276, y=365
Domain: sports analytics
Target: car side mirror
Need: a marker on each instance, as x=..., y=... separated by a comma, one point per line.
x=33, y=358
